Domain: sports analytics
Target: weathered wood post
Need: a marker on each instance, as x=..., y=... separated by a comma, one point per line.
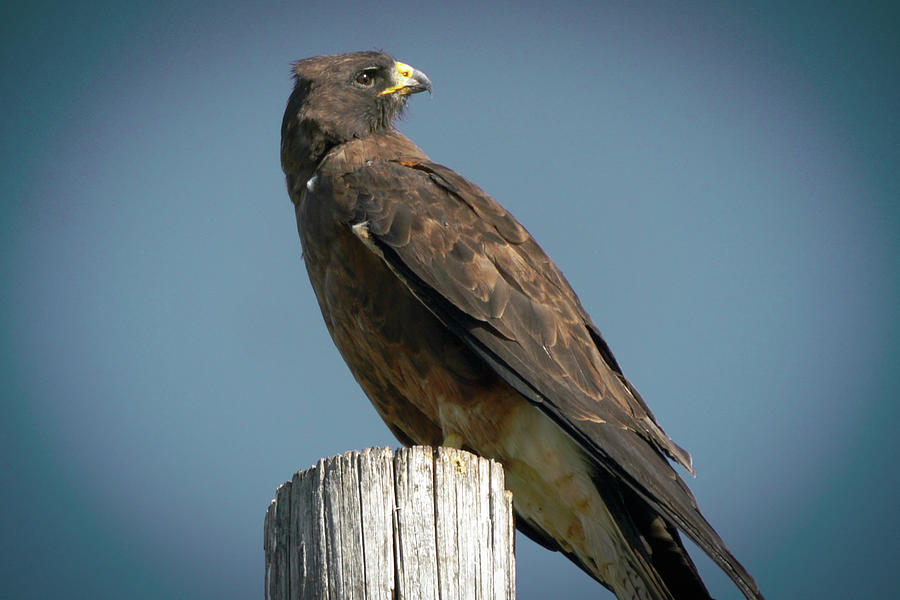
x=426, y=523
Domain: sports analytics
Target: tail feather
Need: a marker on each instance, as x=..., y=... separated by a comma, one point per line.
x=667, y=553
x=650, y=560
x=663, y=555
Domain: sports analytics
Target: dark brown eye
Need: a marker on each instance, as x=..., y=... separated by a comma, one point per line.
x=365, y=78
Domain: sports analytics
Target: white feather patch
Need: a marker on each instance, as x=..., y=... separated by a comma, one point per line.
x=361, y=230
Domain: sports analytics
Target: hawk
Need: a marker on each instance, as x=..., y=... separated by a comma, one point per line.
x=462, y=332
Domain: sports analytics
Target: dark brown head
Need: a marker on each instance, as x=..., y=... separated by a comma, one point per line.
x=341, y=97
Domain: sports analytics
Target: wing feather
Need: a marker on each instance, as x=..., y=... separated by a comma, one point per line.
x=479, y=271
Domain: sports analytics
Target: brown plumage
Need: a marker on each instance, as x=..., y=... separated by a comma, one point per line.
x=462, y=331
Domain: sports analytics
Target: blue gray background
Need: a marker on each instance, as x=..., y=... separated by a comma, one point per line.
x=719, y=183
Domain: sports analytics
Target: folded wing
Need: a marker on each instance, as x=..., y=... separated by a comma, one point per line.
x=480, y=272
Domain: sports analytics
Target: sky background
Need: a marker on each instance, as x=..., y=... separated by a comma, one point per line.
x=719, y=184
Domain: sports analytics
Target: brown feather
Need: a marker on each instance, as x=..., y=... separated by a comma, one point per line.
x=456, y=323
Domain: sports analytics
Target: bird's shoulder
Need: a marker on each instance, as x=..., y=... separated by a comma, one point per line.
x=447, y=229
x=358, y=154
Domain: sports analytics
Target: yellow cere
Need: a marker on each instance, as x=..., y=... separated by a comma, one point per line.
x=405, y=72
x=404, y=69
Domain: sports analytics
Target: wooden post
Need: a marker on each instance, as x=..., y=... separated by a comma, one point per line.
x=423, y=524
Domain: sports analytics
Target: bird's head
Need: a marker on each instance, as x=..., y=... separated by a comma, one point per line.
x=345, y=96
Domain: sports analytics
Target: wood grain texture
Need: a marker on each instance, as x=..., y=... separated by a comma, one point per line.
x=421, y=524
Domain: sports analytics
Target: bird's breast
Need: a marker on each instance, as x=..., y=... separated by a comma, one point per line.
x=405, y=359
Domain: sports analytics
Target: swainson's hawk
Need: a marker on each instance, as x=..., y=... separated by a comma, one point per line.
x=463, y=332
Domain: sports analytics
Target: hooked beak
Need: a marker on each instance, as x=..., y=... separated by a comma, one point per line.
x=407, y=80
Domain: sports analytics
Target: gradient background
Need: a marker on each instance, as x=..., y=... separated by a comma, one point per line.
x=719, y=183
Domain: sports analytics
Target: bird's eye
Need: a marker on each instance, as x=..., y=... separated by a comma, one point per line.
x=366, y=78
